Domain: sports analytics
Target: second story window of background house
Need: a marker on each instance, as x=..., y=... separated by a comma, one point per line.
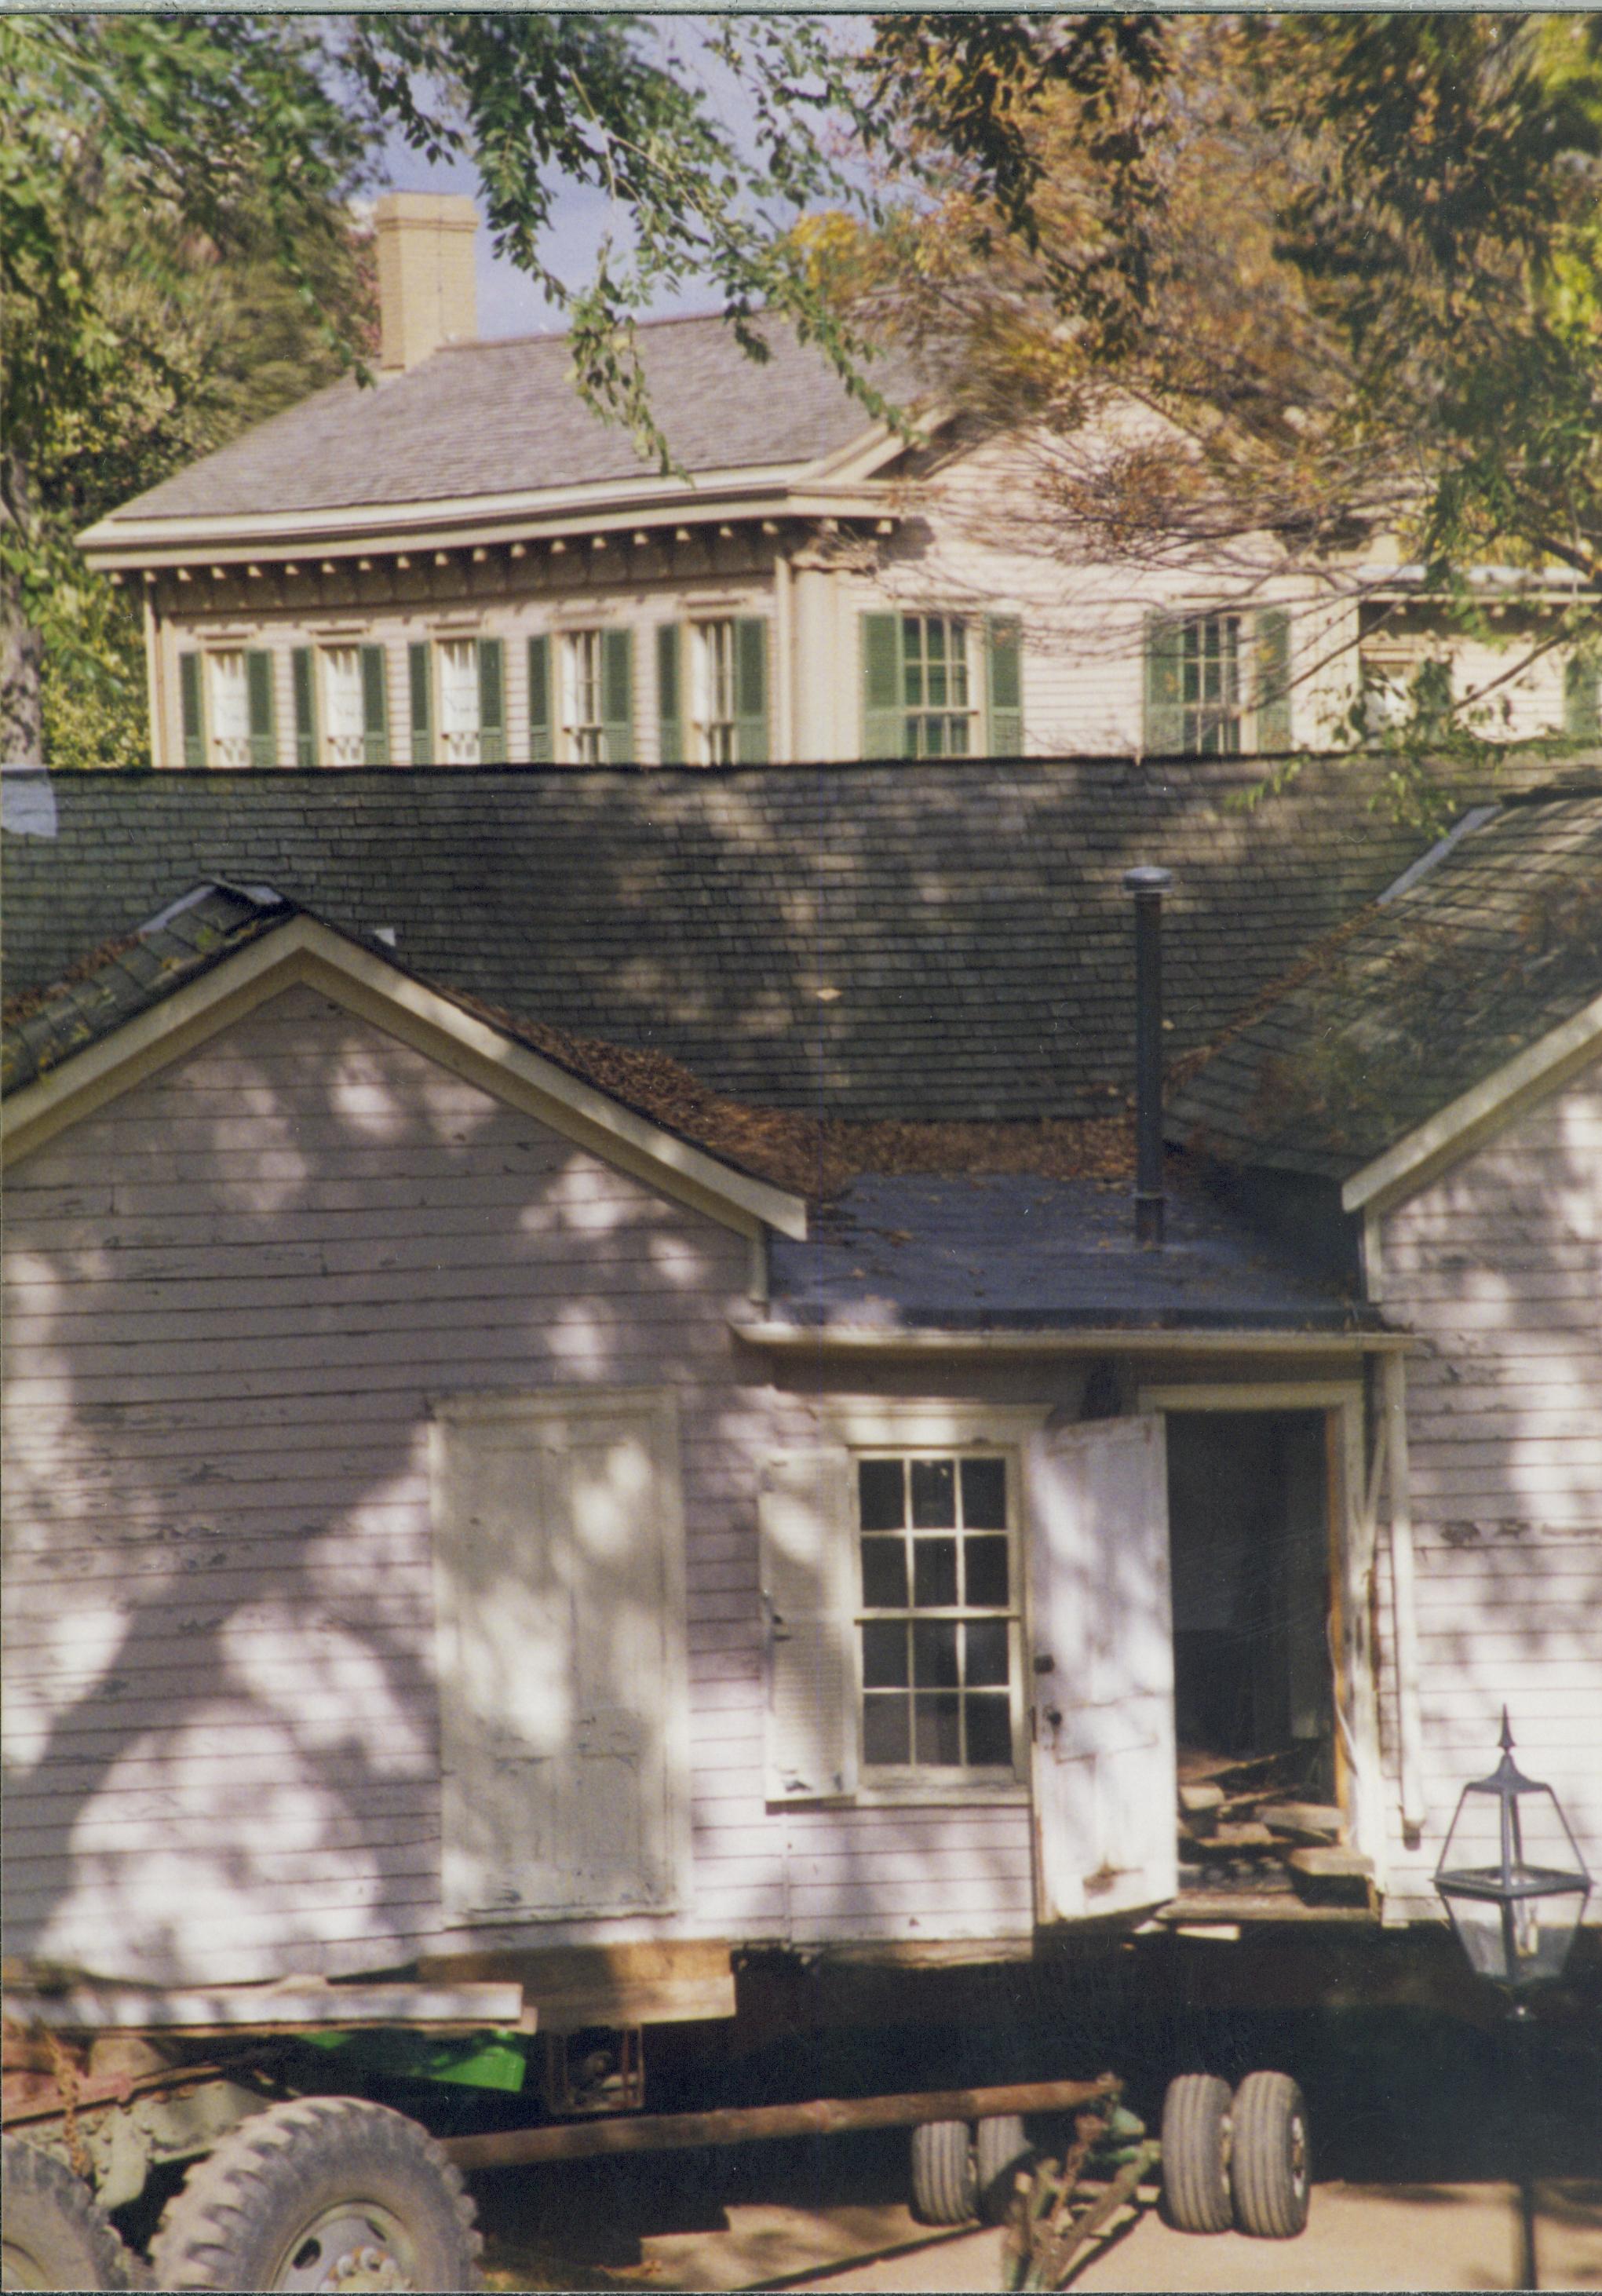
x=1210, y=686
x=937, y=712
x=938, y=685
x=226, y=708
x=597, y=698
x=230, y=708
x=1217, y=684
x=714, y=692
x=343, y=722
x=585, y=712
x=458, y=697
x=458, y=661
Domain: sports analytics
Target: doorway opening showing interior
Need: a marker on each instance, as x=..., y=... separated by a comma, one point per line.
x=1249, y=1527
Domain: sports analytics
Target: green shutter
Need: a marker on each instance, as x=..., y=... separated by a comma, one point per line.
x=258, y=692
x=492, y=702
x=617, y=696
x=1003, y=651
x=1582, y=696
x=423, y=716
x=375, y=706
x=1164, y=732
x=751, y=693
x=306, y=720
x=192, y=709
x=670, y=693
x=881, y=686
x=542, y=743
x=1274, y=679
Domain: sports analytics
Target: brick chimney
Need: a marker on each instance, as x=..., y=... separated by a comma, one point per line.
x=426, y=294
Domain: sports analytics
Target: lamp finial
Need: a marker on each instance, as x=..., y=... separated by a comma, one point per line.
x=1506, y=1740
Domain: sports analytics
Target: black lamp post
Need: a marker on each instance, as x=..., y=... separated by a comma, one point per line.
x=1515, y=1905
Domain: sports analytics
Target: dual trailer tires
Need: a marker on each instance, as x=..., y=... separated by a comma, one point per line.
x=961, y=2170
x=1243, y=2159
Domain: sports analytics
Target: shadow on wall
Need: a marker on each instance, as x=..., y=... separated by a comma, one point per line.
x=234, y=1293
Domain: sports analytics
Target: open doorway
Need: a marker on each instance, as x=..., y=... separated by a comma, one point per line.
x=1248, y=1495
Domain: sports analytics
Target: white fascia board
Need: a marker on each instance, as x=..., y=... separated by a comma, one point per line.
x=304, y=950
x=1459, y=1127
x=812, y=1338
x=774, y=490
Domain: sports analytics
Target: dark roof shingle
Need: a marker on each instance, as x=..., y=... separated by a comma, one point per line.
x=922, y=943
x=1416, y=1001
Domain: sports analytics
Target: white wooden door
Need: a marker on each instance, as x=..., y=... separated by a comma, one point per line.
x=559, y=1575
x=1101, y=1635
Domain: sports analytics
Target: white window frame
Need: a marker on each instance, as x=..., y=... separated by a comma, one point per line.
x=583, y=686
x=227, y=697
x=919, y=715
x=946, y=1431
x=457, y=705
x=339, y=666
x=712, y=666
x=1215, y=716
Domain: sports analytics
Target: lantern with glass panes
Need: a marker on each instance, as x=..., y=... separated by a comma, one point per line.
x=1512, y=1877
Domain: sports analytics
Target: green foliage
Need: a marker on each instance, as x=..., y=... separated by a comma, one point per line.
x=172, y=194
x=1355, y=259
x=179, y=259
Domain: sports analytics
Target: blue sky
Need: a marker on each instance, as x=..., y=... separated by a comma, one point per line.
x=510, y=303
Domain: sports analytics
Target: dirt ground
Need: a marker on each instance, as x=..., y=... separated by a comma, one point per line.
x=832, y=2218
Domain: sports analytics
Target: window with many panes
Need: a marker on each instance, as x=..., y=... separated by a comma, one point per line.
x=937, y=712
x=714, y=694
x=1210, y=686
x=584, y=696
x=939, y=1621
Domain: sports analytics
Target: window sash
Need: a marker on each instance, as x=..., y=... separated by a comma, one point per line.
x=458, y=700
x=714, y=700
x=584, y=696
x=1210, y=686
x=950, y=1688
x=230, y=702
x=936, y=687
x=344, y=722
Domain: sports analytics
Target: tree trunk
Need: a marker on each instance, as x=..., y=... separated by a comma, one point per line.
x=21, y=728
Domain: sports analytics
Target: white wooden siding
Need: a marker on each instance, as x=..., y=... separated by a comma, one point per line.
x=234, y=1294
x=1497, y=1265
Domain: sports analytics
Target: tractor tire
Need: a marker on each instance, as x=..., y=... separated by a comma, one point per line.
x=1195, y=2153
x=1000, y=2149
x=55, y=2236
x=1270, y=2166
x=321, y=2192
x=945, y=2190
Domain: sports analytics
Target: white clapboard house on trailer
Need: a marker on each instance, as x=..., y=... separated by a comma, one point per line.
x=464, y=566
x=580, y=1375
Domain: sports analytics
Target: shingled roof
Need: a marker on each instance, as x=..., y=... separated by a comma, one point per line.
x=1493, y=945
x=501, y=418
x=914, y=943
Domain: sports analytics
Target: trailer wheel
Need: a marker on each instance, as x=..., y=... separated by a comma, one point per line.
x=1000, y=2149
x=945, y=2189
x=54, y=2235
x=1271, y=2165
x=322, y=2193
x=1195, y=2153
